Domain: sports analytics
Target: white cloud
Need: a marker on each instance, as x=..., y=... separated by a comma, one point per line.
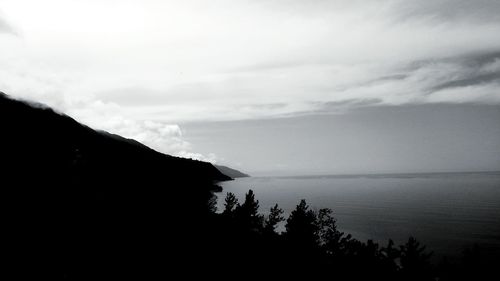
x=5, y=27
x=483, y=93
x=163, y=137
x=173, y=61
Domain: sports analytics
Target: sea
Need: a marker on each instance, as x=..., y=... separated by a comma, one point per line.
x=447, y=212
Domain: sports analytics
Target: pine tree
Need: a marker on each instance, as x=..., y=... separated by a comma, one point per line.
x=248, y=213
x=415, y=263
x=230, y=203
x=275, y=217
x=301, y=225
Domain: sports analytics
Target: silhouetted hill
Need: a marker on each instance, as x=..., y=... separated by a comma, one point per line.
x=36, y=136
x=73, y=196
x=231, y=172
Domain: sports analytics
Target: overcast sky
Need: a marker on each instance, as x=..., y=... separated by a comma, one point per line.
x=163, y=72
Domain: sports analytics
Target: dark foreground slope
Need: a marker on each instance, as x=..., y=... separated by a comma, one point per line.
x=86, y=204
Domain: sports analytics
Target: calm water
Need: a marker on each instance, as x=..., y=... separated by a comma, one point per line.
x=446, y=211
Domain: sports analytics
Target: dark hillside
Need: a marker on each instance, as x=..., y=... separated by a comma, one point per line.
x=231, y=172
x=73, y=196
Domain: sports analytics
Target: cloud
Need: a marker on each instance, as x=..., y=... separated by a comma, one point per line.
x=182, y=61
x=6, y=27
x=440, y=10
x=310, y=89
x=161, y=136
x=454, y=10
x=164, y=137
x=478, y=93
x=446, y=80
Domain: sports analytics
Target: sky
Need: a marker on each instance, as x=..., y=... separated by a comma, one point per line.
x=270, y=87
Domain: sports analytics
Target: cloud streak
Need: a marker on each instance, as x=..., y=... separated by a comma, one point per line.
x=6, y=27
x=450, y=10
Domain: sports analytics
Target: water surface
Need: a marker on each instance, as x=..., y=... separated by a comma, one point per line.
x=446, y=211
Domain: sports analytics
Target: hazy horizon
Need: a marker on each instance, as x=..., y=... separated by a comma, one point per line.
x=421, y=138
x=377, y=173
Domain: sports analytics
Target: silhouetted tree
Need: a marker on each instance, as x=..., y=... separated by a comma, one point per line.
x=248, y=212
x=230, y=203
x=212, y=203
x=250, y=205
x=389, y=256
x=329, y=236
x=415, y=264
x=275, y=217
x=301, y=226
x=390, y=252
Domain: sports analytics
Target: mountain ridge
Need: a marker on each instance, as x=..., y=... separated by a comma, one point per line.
x=230, y=172
x=38, y=117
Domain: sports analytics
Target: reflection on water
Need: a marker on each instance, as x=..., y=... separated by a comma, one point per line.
x=446, y=211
